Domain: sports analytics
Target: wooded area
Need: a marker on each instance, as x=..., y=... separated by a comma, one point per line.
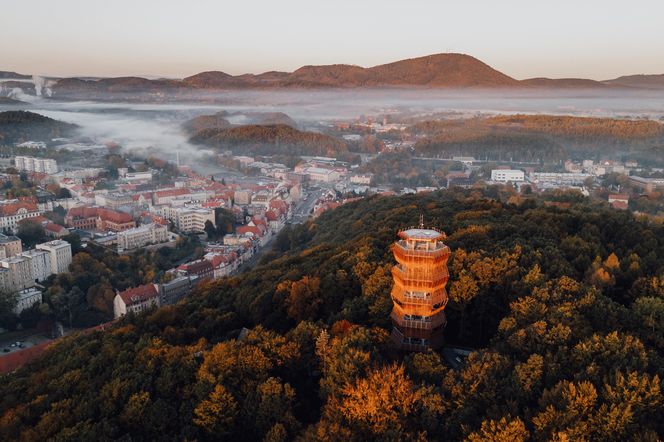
x=563, y=300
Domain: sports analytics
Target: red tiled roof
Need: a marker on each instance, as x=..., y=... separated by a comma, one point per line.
x=100, y=212
x=55, y=228
x=39, y=219
x=172, y=192
x=197, y=267
x=13, y=208
x=138, y=294
x=619, y=196
x=243, y=230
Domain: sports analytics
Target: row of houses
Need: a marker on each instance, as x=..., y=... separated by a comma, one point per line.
x=147, y=296
x=25, y=269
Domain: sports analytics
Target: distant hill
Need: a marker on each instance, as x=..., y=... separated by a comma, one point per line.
x=440, y=70
x=564, y=83
x=220, y=120
x=205, y=122
x=271, y=140
x=20, y=126
x=7, y=100
x=449, y=70
x=639, y=81
x=537, y=137
x=7, y=74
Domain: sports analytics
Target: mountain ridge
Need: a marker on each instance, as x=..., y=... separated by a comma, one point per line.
x=436, y=71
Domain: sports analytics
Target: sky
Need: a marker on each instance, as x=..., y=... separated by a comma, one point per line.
x=598, y=39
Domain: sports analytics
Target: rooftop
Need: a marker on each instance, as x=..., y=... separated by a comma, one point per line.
x=419, y=233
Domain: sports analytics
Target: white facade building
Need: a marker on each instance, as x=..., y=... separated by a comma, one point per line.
x=60, y=252
x=189, y=219
x=32, y=164
x=40, y=262
x=27, y=298
x=19, y=274
x=508, y=175
x=141, y=236
x=323, y=175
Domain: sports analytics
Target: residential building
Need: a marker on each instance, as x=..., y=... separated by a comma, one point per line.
x=60, y=252
x=242, y=197
x=40, y=264
x=9, y=246
x=12, y=212
x=20, y=273
x=32, y=164
x=648, y=185
x=55, y=230
x=136, y=300
x=113, y=200
x=189, y=219
x=90, y=218
x=141, y=236
x=619, y=201
x=361, y=178
x=201, y=268
x=27, y=298
x=171, y=292
x=167, y=195
x=558, y=179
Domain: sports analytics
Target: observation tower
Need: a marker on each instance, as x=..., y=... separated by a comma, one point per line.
x=419, y=294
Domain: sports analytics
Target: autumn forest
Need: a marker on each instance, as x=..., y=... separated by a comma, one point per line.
x=561, y=300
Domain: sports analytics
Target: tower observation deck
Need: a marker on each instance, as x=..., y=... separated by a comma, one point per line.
x=419, y=294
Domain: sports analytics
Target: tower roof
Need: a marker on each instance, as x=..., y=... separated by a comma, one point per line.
x=421, y=234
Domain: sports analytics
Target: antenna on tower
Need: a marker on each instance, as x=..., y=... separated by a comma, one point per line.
x=421, y=221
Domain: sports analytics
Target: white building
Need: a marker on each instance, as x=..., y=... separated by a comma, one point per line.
x=323, y=175
x=40, y=263
x=141, y=236
x=60, y=252
x=361, y=178
x=189, y=219
x=138, y=176
x=32, y=164
x=13, y=212
x=136, y=300
x=507, y=175
x=19, y=274
x=27, y=298
x=558, y=179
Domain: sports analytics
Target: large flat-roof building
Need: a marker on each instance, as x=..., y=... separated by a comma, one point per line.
x=141, y=236
x=32, y=164
x=507, y=175
x=10, y=246
x=40, y=263
x=60, y=253
x=189, y=219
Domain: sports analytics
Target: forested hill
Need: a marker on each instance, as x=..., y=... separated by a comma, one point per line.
x=19, y=126
x=271, y=139
x=563, y=300
x=540, y=137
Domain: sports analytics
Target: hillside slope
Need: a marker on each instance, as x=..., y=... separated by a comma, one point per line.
x=271, y=140
x=562, y=305
x=19, y=126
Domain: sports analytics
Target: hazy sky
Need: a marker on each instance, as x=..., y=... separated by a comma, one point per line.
x=597, y=39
